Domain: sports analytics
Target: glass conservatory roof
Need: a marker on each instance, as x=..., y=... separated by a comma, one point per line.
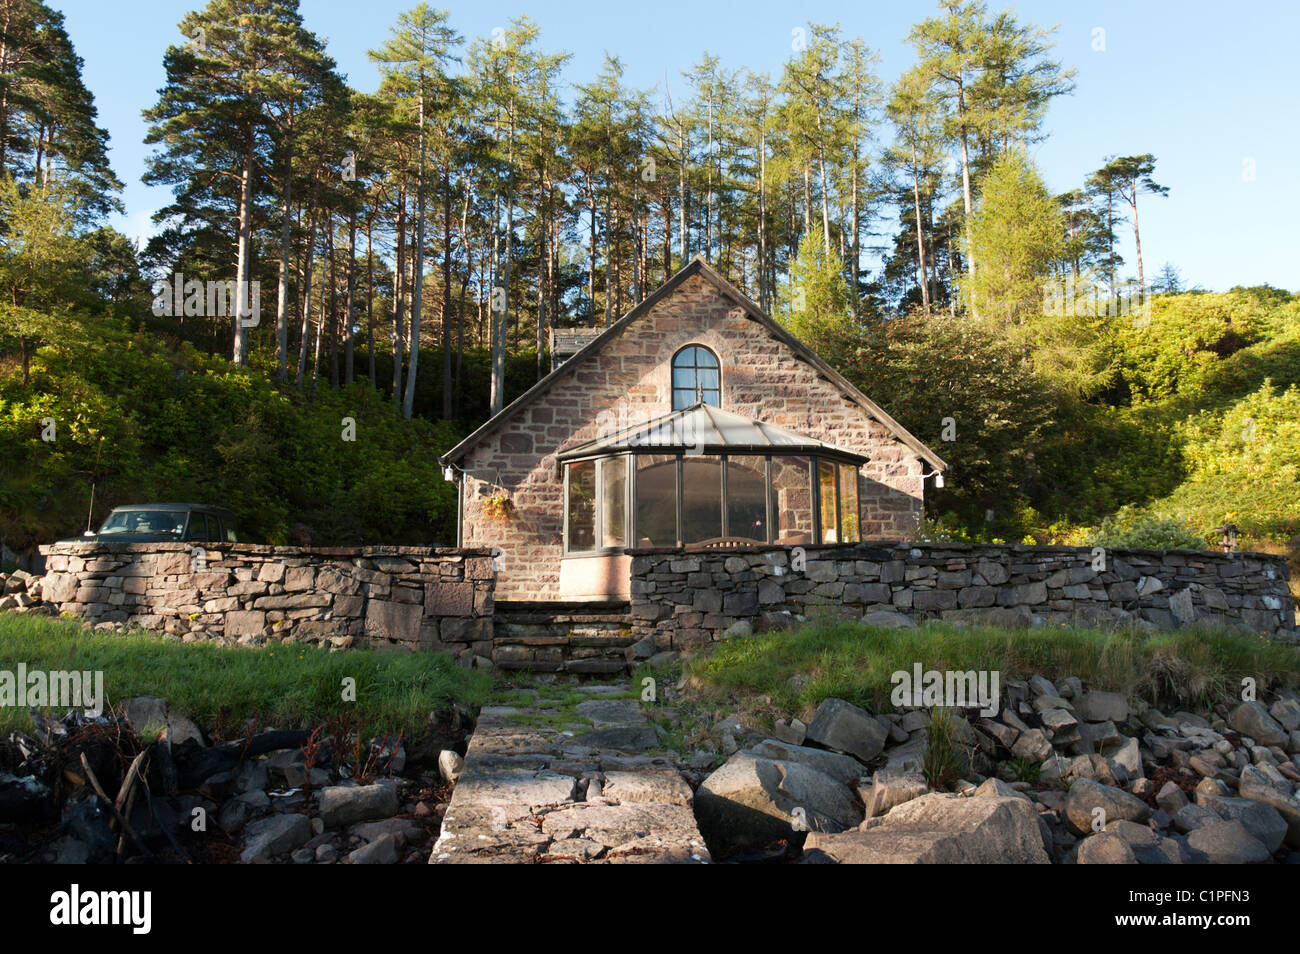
x=704, y=429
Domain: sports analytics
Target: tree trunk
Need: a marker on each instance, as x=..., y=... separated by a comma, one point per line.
x=417, y=297
x=349, y=335
x=306, y=299
x=282, y=291
x=399, y=297
x=446, y=294
x=244, y=253
x=920, y=235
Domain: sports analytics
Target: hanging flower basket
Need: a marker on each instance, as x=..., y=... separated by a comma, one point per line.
x=498, y=506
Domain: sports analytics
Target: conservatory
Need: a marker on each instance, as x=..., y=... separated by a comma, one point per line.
x=706, y=477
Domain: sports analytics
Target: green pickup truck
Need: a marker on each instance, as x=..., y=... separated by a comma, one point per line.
x=164, y=523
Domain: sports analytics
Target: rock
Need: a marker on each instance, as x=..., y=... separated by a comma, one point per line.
x=1228, y=843
x=275, y=835
x=843, y=768
x=1104, y=848
x=1096, y=706
x=403, y=830
x=607, y=712
x=1101, y=735
x=1042, y=686
x=342, y=805
x=450, y=765
x=381, y=851
x=894, y=788
x=1256, y=784
x=1191, y=817
x=1129, y=758
x=887, y=619
x=996, y=788
x=940, y=829
x=1085, y=796
x=792, y=731
x=750, y=802
x=149, y=715
x=1286, y=712
x=1171, y=798
x=843, y=727
x=1252, y=719
x=24, y=799
x=1059, y=721
x=1261, y=820
x=1032, y=745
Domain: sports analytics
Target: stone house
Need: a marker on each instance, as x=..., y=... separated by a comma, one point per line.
x=695, y=420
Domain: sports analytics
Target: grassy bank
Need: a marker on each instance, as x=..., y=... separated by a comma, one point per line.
x=790, y=673
x=284, y=686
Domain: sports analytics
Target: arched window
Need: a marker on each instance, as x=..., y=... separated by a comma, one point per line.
x=697, y=378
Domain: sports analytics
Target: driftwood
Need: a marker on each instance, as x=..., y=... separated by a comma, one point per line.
x=112, y=806
x=194, y=767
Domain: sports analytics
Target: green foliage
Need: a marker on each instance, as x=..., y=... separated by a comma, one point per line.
x=939, y=763
x=928, y=369
x=814, y=305
x=281, y=685
x=142, y=422
x=1137, y=530
x=1016, y=236
x=850, y=661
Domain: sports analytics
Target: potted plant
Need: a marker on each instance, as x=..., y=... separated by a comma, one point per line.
x=498, y=506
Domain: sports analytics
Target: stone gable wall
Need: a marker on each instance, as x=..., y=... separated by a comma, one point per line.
x=627, y=383
x=413, y=597
x=688, y=598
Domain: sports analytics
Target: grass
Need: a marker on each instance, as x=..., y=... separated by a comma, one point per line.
x=284, y=686
x=781, y=674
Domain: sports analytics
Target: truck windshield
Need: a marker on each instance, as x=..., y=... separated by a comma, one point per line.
x=145, y=521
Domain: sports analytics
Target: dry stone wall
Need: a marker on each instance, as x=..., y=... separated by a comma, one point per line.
x=685, y=599
x=414, y=597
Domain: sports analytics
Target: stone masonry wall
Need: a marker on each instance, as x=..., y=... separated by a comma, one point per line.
x=628, y=382
x=687, y=598
x=413, y=597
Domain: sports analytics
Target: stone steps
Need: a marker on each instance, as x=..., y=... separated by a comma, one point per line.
x=587, y=638
x=539, y=788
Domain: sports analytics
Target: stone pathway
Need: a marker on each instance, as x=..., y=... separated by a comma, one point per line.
x=575, y=774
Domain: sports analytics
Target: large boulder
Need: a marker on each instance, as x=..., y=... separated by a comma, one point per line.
x=1086, y=796
x=275, y=835
x=1096, y=706
x=843, y=768
x=1105, y=848
x=1261, y=819
x=751, y=802
x=1252, y=719
x=844, y=727
x=889, y=789
x=940, y=829
x=1228, y=843
x=149, y=715
x=344, y=804
x=1257, y=785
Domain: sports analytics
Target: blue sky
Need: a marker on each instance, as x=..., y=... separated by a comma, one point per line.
x=1207, y=87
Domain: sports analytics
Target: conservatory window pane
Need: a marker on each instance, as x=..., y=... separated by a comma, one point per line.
x=656, y=500
x=849, y=503
x=826, y=487
x=582, y=506
x=792, y=500
x=613, y=502
x=701, y=499
x=747, y=498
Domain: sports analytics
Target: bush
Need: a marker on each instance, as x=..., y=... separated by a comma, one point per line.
x=1144, y=532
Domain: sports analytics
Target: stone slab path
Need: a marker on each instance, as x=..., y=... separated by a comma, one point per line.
x=577, y=774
